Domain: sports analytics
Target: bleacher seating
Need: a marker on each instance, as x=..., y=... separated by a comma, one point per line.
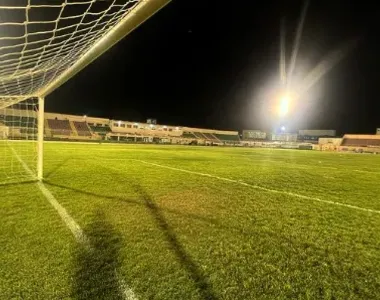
x=59, y=127
x=188, y=135
x=29, y=131
x=82, y=128
x=198, y=135
x=228, y=137
x=17, y=121
x=208, y=136
x=102, y=130
x=211, y=137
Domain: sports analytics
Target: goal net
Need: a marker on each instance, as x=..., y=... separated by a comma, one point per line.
x=43, y=43
x=18, y=141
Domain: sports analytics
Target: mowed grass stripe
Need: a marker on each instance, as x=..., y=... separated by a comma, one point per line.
x=75, y=229
x=233, y=233
x=261, y=188
x=243, y=243
x=341, y=185
x=35, y=255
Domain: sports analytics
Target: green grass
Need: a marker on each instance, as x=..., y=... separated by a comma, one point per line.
x=176, y=235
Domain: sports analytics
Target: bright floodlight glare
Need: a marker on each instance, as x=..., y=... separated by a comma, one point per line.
x=284, y=106
x=283, y=128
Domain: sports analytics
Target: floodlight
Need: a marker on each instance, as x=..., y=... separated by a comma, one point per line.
x=284, y=106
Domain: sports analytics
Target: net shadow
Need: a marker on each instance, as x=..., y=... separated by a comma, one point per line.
x=200, y=280
x=56, y=168
x=191, y=216
x=17, y=183
x=214, y=222
x=96, y=266
x=196, y=275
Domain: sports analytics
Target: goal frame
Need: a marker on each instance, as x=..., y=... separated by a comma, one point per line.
x=143, y=11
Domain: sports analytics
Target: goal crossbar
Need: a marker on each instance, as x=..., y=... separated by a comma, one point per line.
x=144, y=10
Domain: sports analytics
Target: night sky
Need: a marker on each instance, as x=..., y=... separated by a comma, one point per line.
x=214, y=64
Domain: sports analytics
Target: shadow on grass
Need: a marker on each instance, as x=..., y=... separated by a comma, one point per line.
x=200, y=280
x=56, y=168
x=15, y=183
x=96, y=266
x=214, y=222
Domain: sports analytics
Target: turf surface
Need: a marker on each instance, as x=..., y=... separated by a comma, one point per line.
x=194, y=223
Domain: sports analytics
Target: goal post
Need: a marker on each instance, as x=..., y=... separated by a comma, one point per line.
x=43, y=44
x=40, y=138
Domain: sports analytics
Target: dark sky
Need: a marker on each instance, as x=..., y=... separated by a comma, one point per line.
x=214, y=64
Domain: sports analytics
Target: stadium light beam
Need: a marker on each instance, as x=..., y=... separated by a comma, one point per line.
x=297, y=43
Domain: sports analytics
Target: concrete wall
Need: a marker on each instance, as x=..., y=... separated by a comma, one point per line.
x=332, y=141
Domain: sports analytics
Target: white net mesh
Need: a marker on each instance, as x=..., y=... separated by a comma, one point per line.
x=43, y=43
x=18, y=141
x=39, y=39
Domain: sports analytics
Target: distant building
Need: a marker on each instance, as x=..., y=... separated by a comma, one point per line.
x=377, y=130
x=317, y=132
x=254, y=135
x=315, y=135
x=283, y=137
x=151, y=121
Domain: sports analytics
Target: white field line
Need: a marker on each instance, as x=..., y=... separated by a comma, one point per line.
x=365, y=171
x=294, y=165
x=74, y=227
x=262, y=188
x=298, y=166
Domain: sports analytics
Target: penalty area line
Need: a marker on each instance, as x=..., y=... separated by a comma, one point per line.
x=74, y=227
x=261, y=188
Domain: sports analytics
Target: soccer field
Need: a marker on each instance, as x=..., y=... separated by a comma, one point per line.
x=178, y=222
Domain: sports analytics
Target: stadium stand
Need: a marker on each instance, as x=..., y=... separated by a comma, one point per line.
x=17, y=121
x=210, y=137
x=82, y=128
x=199, y=135
x=59, y=127
x=228, y=137
x=74, y=127
x=360, y=141
x=188, y=135
x=206, y=136
x=99, y=129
